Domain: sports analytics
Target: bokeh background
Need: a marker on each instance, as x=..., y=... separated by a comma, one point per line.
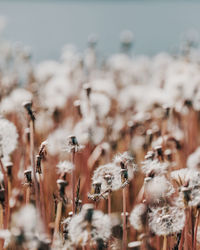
x=47, y=25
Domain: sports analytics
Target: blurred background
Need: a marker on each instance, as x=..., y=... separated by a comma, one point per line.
x=46, y=26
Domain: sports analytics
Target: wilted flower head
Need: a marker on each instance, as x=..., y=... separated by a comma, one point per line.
x=8, y=137
x=90, y=225
x=166, y=220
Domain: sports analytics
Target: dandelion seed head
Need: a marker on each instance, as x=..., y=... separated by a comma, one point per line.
x=154, y=166
x=100, y=227
x=128, y=163
x=137, y=216
x=193, y=161
x=12, y=103
x=65, y=167
x=8, y=137
x=166, y=220
x=158, y=188
x=109, y=169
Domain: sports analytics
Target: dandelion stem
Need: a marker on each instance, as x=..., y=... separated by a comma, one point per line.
x=186, y=231
x=109, y=202
x=57, y=220
x=196, y=229
x=180, y=247
x=28, y=193
x=9, y=195
x=1, y=224
x=124, y=220
x=33, y=163
x=6, y=193
x=157, y=242
x=165, y=242
x=73, y=182
x=42, y=198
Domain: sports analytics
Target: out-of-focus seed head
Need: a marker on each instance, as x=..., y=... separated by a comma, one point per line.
x=166, y=220
x=138, y=217
x=8, y=137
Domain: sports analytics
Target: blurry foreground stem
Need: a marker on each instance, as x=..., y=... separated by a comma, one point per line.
x=124, y=220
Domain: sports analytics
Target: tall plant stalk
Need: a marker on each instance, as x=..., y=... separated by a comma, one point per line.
x=124, y=243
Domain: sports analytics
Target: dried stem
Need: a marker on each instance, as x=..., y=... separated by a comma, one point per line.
x=196, y=229
x=57, y=220
x=9, y=195
x=73, y=182
x=28, y=194
x=6, y=194
x=109, y=202
x=186, y=231
x=42, y=198
x=33, y=163
x=180, y=247
x=165, y=242
x=1, y=224
x=124, y=220
x=157, y=242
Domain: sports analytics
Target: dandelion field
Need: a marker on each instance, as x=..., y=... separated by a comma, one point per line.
x=100, y=154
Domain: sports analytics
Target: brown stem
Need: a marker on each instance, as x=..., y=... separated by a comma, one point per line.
x=196, y=229
x=42, y=198
x=157, y=242
x=6, y=194
x=165, y=242
x=33, y=164
x=109, y=202
x=57, y=220
x=9, y=195
x=28, y=194
x=124, y=220
x=73, y=182
x=1, y=224
x=186, y=231
x=180, y=247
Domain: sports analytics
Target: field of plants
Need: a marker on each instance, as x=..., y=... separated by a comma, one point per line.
x=100, y=154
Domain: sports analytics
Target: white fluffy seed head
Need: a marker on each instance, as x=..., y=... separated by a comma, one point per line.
x=8, y=137
x=65, y=167
x=193, y=161
x=137, y=216
x=128, y=163
x=158, y=188
x=154, y=167
x=80, y=230
x=166, y=220
x=100, y=176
